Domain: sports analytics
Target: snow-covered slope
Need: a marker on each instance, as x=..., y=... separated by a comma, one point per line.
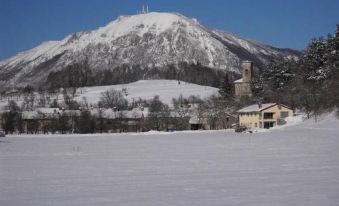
x=149, y=40
x=252, y=50
x=147, y=89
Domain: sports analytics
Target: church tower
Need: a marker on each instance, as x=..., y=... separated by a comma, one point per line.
x=243, y=86
x=247, y=70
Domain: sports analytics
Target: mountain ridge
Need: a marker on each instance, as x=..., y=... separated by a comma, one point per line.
x=150, y=40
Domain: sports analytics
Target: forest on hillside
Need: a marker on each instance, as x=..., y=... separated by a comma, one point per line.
x=310, y=83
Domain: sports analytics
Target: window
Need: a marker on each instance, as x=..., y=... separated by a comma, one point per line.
x=268, y=125
x=283, y=115
x=246, y=72
x=255, y=124
x=268, y=115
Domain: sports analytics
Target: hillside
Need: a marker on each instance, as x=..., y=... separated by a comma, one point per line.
x=145, y=89
x=145, y=46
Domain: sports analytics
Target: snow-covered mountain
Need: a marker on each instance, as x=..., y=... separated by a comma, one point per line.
x=139, y=42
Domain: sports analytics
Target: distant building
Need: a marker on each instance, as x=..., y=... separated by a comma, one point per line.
x=243, y=86
x=123, y=121
x=206, y=122
x=264, y=115
x=39, y=120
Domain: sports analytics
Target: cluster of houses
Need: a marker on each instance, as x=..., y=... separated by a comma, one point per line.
x=255, y=116
x=252, y=117
x=41, y=120
x=114, y=121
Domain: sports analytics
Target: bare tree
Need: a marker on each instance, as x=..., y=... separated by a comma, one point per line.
x=113, y=98
x=28, y=102
x=159, y=114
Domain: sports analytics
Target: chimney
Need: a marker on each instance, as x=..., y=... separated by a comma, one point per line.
x=259, y=105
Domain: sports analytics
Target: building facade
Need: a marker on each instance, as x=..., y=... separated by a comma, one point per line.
x=264, y=115
x=210, y=123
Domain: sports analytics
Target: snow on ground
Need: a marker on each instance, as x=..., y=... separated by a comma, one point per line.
x=297, y=165
x=147, y=89
x=290, y=121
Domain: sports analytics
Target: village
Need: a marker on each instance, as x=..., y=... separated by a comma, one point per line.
x=185, y=114
x=158, y=103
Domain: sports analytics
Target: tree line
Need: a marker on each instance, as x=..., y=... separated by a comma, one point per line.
x=80, y=75
x=310, y=83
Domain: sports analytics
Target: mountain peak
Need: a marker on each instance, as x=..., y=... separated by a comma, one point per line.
x=155, y=22
x=149, y=41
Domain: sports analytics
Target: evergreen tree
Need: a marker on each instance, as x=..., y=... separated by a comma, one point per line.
x=12, y=118
x=64, y=123
x=86, y=123
x=314, y=73
x=226, y=88
x=257, y=86
x=159, y=114
x=313, y=62
x=333, y=63
x=275, y=83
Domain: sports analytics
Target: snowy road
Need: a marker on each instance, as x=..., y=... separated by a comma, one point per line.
x=295, y=166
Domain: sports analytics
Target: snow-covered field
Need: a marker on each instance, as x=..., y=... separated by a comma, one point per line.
x=297, y=165
x=147, y=89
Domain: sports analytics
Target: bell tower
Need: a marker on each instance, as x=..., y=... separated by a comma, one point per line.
x=243, y=86
x=247, y=71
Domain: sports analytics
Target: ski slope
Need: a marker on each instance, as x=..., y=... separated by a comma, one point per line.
x=147, y=89
x=297, y=165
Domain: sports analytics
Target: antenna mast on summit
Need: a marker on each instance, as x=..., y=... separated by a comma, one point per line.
x=143, y=11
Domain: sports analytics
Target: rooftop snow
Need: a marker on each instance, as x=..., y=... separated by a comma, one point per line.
x=133, y=114
x=255, y=108
x=239, y=81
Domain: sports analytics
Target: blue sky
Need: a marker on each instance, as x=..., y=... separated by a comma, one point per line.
x=283, y=23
